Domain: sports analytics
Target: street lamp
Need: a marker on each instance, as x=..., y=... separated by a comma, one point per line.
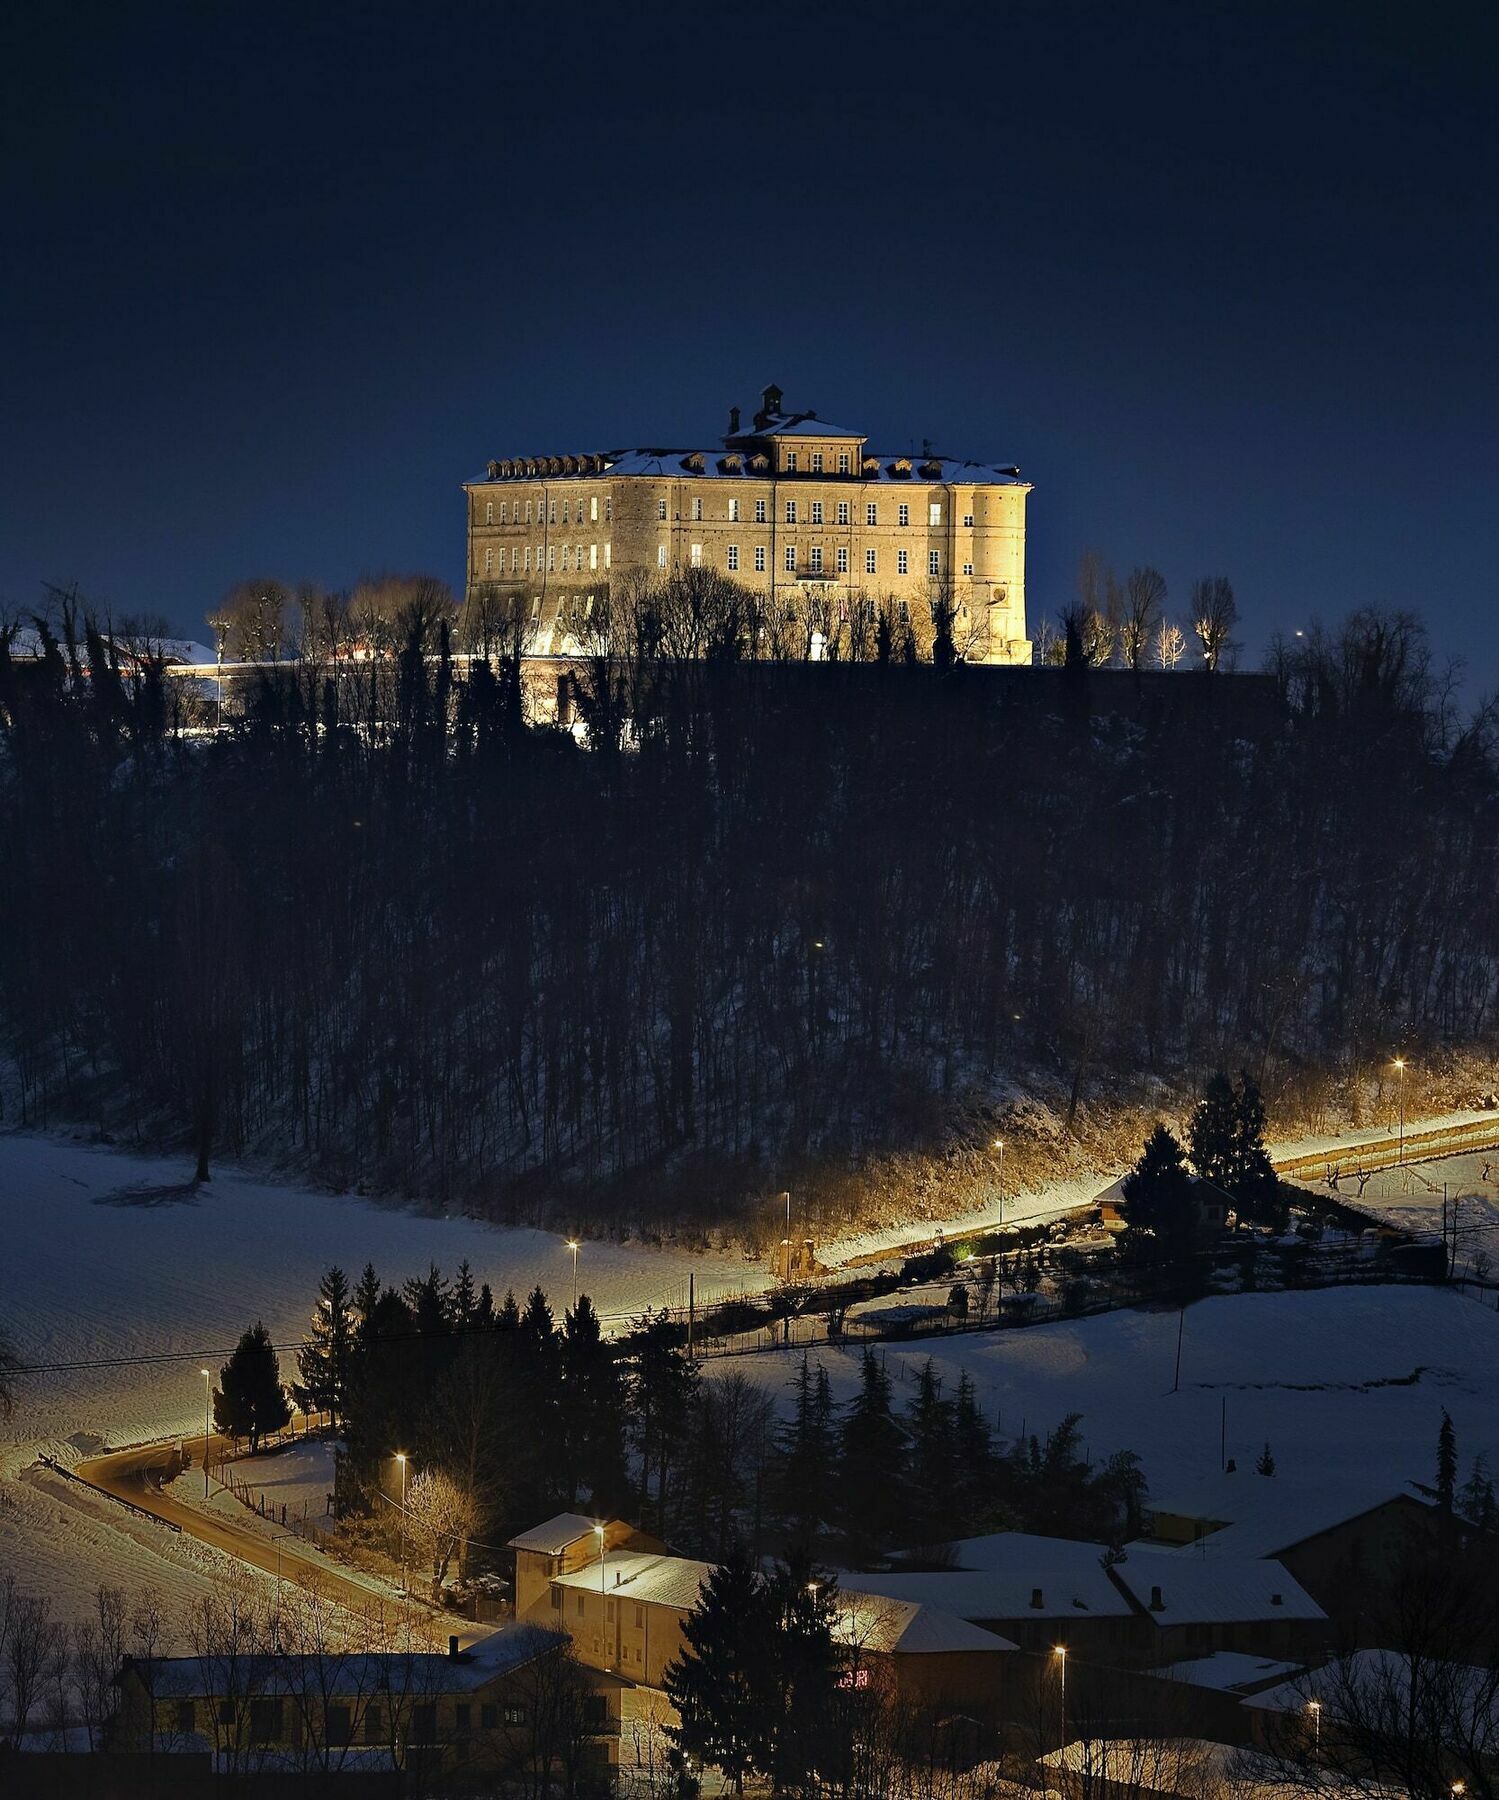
x=1059, y=1651
x=1314, y=1707
x=207, y=1397
x=401, y=1459
x=999, y=1145
x=1400, y=1070
x=572, y=1244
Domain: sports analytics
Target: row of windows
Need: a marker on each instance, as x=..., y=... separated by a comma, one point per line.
x=547, y=514
x=815, y=461
x=571, y=558
x=871, y=512
x=814, y=560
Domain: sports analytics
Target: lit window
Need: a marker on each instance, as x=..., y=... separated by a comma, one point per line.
x=488, y=561
x=790, y=512
x=593, y=556
x=734, y=510
x=934, y=562
x=759, y=512
x=514, y=558
x=968, y=521
x=528, y=512
x=791, y=462
x=731, y=558
x=843, y=464
x=901, y=563
x=660, y=556
x=817, y=559
x=660, y=509
x=934, y=513
x=489, y=512
x=566, y=512
x=551, y=556
x=869, y=562
x=565, y=563
x=696, y=555
x=816, y=462
x=816, y=512
x=593, y=509
x=871, y=514
x=791, y=559
x=843, y=512
x=903, y=516
x=967, y=568
x=528, y=559
x=843, y=559
x=697, y=507
x=553, y=518
x=608, y=554
x=760, y=559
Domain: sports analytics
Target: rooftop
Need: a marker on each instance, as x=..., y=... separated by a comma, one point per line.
x=718, y=464
x=1264, y=1515
x=553, y=1537
x=1216, y=1590
x=1229, y=1672
x=1069, y=1587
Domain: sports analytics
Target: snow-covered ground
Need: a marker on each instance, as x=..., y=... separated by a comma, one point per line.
x=1417, y=1196
x=1019, y=1209
x=297, y=1477
x=1344, y=1141
x=1346, y=1384
x=109, y=1256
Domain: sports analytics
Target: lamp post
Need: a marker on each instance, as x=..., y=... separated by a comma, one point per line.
x=1060, y=1652
x=1314, y=1707
x=401, y=1459
x=572, y=1244
x=999, y=1145
x=1400, y=1070
x=207, y=1399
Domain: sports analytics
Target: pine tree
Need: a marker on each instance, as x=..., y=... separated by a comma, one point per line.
x=872, y=1466
x=660, y=1387
x=722, y=1683
x=1158, y=1199
x=465, y=1300
x=427, y=1296
x=366, y=1299
x=1265, y=1465
x=1212, y=1131
x=1446, y=1463
x=805, y=1453
x=932, y=1466
x=323, y=1361
x=1476, y=1502
x=973, y=1446
x=508, y=1317
x=1254, y=1184
x=250, y=1401
x=592, y=1413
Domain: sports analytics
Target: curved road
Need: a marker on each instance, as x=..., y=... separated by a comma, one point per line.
x=136, y=1475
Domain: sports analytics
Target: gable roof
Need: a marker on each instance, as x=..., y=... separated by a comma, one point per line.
x=1228, y=1672
x=556, y=1534
x=1069, y=1589
x=1220, y=1590
x=801, y=425
x=1267, y=1515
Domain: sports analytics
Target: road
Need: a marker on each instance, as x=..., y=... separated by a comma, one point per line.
x=136, y=1476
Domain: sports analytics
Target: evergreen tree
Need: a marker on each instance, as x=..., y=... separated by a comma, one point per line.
x=872, y=1466
x=250, y=1401
x=366, y=1299
x=508, y=1317
x=973, y=1447
x=1212, y=1132
x=721, y=1685
x=806, y=1452
x=464, y=1303
x=1158, y=1200
x=592, y=1413
x=431, y=1308
x=1446, y=1463
x=660, y=1388
x=1265, y=1464
x=1476, y=1501
x=323, y=1361
x=803, y=1608
x=932, y=1465
x=1254, y=1184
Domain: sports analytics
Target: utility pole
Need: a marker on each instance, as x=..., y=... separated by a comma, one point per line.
x=1181, y=1326
x=691, y=1310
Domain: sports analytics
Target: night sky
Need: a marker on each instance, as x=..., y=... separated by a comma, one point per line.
x=1220, y=278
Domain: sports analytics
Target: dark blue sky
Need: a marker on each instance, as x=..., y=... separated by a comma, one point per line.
x=1223, y=279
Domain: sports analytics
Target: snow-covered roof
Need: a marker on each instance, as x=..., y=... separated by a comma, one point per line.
x=553, y=1537
x=1264, y=1515
x=1228, y=1672
x=642, y=1575
x=865, y=1620
x=1218, y=1590
x=365, y=1672
x=674, y=464
x=803, y=425
x=1379, y=1681
x=1068, y=1589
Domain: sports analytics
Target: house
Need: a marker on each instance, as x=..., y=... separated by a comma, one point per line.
x=1331, y=1535
x=1192, y=1605
x=625, y=1610
x=337, y=1711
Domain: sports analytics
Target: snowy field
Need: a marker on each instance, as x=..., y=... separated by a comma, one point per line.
x=110, y=1256
x=1412, y=1197
x=1347, y=1384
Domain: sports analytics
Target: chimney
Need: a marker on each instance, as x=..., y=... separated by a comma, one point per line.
x=1275, y=1600
x=1157, y=1603
x=453, y=1647
x=733, y=421
x=1036, y=1600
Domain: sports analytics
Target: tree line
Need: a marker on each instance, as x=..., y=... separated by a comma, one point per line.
x=738, y=928
x=508, y=1416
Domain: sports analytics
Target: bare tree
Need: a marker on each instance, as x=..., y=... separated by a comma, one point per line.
x=1141, y=612
x=1214, y=615
x=442, y=1518
x=1169, y=644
